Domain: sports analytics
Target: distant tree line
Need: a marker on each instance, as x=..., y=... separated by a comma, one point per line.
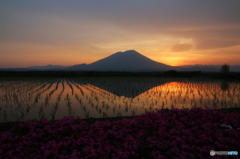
x=174, y=73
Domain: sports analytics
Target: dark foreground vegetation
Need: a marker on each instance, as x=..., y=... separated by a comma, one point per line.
x=170, y=73
x=162, y=134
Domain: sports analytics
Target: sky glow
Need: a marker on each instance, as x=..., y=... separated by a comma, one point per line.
x=184, y=32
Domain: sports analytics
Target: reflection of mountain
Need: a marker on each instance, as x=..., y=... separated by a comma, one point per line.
x=128, y=87
x=173, y=94
x=109, y=96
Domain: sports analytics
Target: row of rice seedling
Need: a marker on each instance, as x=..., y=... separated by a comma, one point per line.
x=20, y=99
x=54, y=89
x=95, y=94
x=131, y=98
x=55, y=106
x=70, y=87
x=15, y=95
x=38, y=95
x=195, y=96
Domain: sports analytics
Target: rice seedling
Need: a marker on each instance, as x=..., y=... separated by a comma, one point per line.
x=89, y=101
x=103, y=104
x=46, y=101
x=126, y=108
x=96, y=107
x=62, y=89
x=70, y=87
x=41, y=87
x=27, y=108
x=179, y=94
x=37, y=97
x=119, y=113
x=59, y=98
x=96, y=98
x=67, y=99
x=134, y=111
x=54, y=89
x=236, y=105
x=195, y=105
x=199, y=92
x=107, y=107
x=146, y=110
x=151, y=107
x=87, y=114
x=172, y=106
x=81, y=91
x=105, y=115
x=162, y=105
x=41, y=113
x=114, y=109
x=55, y=108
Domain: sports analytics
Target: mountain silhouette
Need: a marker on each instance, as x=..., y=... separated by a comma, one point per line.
x=129, y=61
x=77, y=67
x=48, y=67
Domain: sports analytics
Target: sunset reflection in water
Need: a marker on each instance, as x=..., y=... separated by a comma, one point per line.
x=55, y=98
x=188, y=95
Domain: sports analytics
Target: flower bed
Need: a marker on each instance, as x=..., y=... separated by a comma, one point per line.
x=163, y=134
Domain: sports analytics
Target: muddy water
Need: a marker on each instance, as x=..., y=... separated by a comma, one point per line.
x=100, y=97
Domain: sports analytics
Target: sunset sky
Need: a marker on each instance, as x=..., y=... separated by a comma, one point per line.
x=70, y=32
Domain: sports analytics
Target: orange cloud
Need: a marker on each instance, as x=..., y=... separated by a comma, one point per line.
x=205, y=44
x=181, y=47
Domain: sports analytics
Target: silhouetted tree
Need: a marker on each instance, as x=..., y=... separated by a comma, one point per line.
x=225, y=68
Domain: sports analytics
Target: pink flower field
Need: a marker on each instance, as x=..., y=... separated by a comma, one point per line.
x=163, y=134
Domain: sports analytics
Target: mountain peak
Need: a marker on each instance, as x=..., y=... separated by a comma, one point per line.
x=130, y=61
x=127, y=52
x=131, y=52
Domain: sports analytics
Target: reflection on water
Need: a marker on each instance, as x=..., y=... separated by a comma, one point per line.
x=108, y=97
x=225, y=86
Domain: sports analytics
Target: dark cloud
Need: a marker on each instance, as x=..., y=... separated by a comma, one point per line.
x=210, y=24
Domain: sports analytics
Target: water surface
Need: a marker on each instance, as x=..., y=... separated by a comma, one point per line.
x=98, y=97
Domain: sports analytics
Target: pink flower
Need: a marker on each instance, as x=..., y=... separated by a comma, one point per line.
x=67, y=138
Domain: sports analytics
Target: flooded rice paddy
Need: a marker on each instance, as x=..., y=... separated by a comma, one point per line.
x=99, y=97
